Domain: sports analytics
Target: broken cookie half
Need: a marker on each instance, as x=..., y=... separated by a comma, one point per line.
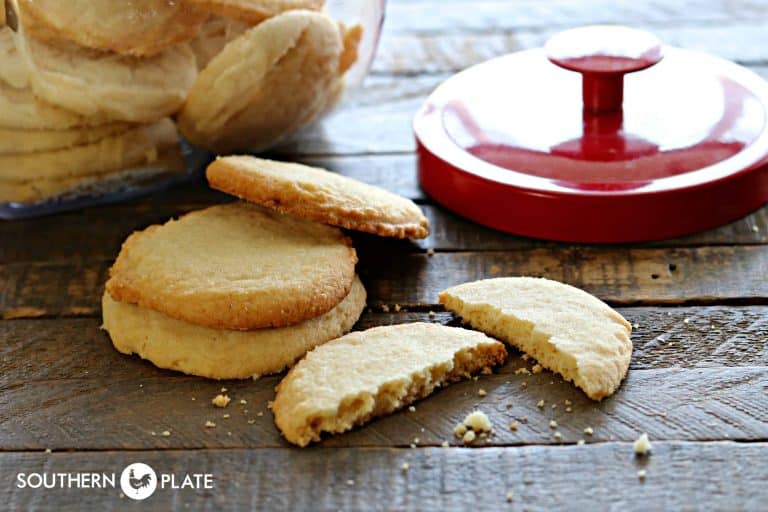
x=352, y=379
x=566, y=329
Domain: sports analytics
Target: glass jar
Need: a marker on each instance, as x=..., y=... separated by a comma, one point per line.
x=105, y=101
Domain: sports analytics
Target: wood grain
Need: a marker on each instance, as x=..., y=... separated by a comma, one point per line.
x=98, y=233
x=680, y=476
x=701, y=275
x=689, y=380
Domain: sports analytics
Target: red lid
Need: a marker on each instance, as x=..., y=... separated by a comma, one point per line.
x=557, y=143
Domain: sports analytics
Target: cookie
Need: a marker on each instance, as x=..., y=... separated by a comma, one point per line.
x=213, y=36
x=224, y=354
x=255, y=11
x=168, y=163
x=362, y=375
x=235, y=266
x=566, y=329
x=12, y=69
x=107, y=85
x=15, y=141
x=272, y=80
x=133, y=147
x=137, y=27
x=319, y=195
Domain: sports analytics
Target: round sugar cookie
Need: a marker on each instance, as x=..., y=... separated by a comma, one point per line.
x=108, y=85
x=270, y=81
x=135, y=146
x=15, y=141
x=12, y=69
x=255, y=11
x=169, y=162
x=220, y=353
x=136, y=27
x=213, y=36
x=319, y=195
x=235, y=266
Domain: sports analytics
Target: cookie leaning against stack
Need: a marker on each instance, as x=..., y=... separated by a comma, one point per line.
x=231, y=291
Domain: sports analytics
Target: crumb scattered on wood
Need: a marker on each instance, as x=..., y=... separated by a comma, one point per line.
x=221, y=400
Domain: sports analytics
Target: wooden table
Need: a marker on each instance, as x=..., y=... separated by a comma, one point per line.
x=698, y=383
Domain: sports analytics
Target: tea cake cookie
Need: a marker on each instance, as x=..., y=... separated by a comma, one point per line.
x=362, y=375
x=316, y=194
x=219, y=353
x=107, y=85
x=12, y=69
x=138, y=145
x=213, y=36
x=235, y=266
x=136, y=27
x=169, y=161
x=272, y=80
x=566, y=329
x=15, y=141
x=255, y=11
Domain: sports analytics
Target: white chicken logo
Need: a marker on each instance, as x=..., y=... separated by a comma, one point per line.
x=138, y=481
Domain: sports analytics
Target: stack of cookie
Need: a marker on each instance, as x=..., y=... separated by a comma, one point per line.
x=86, y=95
x=88, y=87
x=243, y=289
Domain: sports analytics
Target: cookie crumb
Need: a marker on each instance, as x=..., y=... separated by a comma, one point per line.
x=405, y=466
x=510, y=495
x=445, y=444
x=431, y=314
x=478, y=421
x=460, y=430
x=641, y=474
x=221, y=400
x=48, y=450
x=635, y=326
x=558, y=435
x=686, y=320
x=522, y=371
x=523, y=384
x=350, y=482
x=260, y=413
x=482, y=392
x=552, y=424
x=385, y=308
x=397, y=308
x=523, y=419
x=525, y=357
x=223, y=390
x=251, y=421
x=642, y=445
x=540, y=404
x=165, y=433
x=225, y=416
x=580, y=442
x=568, y=409
x=589, y=431
x=209, y=424
x=537, y=368
x=243, y=402
x=412, y=408
x=567, y=402
x=469, y=436
x=430, y=252
x=513, y=425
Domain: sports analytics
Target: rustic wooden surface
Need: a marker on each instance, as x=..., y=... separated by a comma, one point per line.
x=698, y=383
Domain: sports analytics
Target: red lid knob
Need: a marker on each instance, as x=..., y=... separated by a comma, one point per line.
x=603, y=54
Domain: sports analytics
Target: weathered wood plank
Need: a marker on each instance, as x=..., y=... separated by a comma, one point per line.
x=62, y=386
x=406, y=53
x=97, y=233
x=621, y=276
x=685, y=337
x=497, y=15
x=680, y=476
